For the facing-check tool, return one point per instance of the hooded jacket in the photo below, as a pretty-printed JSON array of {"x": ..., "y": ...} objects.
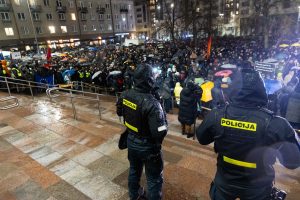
[{"x": 248, "y": 138}]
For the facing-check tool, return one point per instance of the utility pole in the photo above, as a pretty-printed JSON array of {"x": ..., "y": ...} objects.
[{"x": 112, "y": 18}]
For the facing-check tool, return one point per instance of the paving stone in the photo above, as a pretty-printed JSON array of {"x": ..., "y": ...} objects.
[
  {"x": 120, "y": 155},
  {"x": 6, "y": 169},
  {"x": 4, "y": 130},
  {"x": 63, "y": 146},
  {"x": 7, "y": 196},
  {"x": 75, "y": 150},
  {"x": 63, "y": 167},
  {"x": 87, "y": 157},
  {"x": 48, "y": 159},
  {"x": 64, "y": 191},
  {"x": 108, "y": 147},
  {"x": 4, "y": 145},
  {"x": 30, "y": 147},
  {"x": 12, "y": 181},
  {"x": 22, "y": 142},
  {"x": 76, "y": 174},
  {"x": 14, "y": 136},
  {"x": 171, "y": 157},
  {"x": 108, "y": 167},
  {"x": 41, "y": 152},
  {"x": 51, "y": 198},
  {"x": 30, "y": 191},
  {"x": 40, "y": 174},
  {"x": 100, "y": 188}
]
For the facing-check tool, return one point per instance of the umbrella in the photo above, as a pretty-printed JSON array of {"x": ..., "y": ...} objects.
[
  {"x": 296, "y": 44},
  {"x": 81, "y": 60},
  {"x": 92, "y": 48},
  {"x": 114, "y": 73},
  {"x": 68, "y": 72},
  {"x": 96, "y": 74},
  {"x": 284, "y": 45},
  {"x": 272, "y": 86},
  {"x": 270, "y": 60},
  {"x": 64, "y": 60},
  {"x": 281, "y": 56},
  {"x": 222, "y": 73},
  {"x": 228, "y": 66}
]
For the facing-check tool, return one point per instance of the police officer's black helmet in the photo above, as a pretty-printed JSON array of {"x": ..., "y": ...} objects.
[
  {"x": 144, "y": 77},
  {"x": 248, "y": 89}
]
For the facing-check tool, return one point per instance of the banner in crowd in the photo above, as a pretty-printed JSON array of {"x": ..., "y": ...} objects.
[
  {"x": 44, "y": 79},
  {"x": 16, "y": 55},
  {"x": 267, "y": 70}
]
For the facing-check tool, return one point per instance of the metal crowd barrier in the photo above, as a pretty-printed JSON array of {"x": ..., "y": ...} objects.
[
  {"x": 14, "y": 83},
  {"x": 69, "y": 93},
  {"x": 10, "y": 98}
]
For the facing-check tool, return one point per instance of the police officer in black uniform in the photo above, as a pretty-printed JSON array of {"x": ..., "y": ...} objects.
[
  {"x": 147, "y": 126},
  {"x": 248, "y": 138}
]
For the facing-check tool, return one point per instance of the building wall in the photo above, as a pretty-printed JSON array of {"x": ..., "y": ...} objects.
[
  {"x": 81, "y": 19},
  {"x": 278, "y": 16},
  {"x": 142, "y": 14}
]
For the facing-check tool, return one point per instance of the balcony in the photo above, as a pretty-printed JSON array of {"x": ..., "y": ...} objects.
[
  {"x": 35, "y": 8},
  {"x": 83, "y": 9},
  {"x": 61, "y": 9},
  {"x": 100, "y": 10},
  {"x": 123, "y": 10},
  {"x": 5, "y": 7}
]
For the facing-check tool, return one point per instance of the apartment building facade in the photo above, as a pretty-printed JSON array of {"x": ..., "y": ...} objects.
[
  {"x": 143, "y": 20},
  {"x": 64, "y": 22},
  {"x": 283, "y": 17}
]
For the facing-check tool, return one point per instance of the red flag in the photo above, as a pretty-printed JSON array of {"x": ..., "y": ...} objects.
[
  {"x": 49, "y": 55},
  {"x": 209, "y": 47}
]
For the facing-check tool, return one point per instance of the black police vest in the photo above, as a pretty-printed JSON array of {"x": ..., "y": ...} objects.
[
  {"x": 133, "y": 117},
  {"x": 239, "y": 145}
]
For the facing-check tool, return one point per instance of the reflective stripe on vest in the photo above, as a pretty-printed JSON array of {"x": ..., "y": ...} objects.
[
  {"x": 3, "y": 71},
  {"x": 81, "y": 75},
  {"x": 248, "y": 126},
  {"x": 129, "y": 104},
  {"x": 239, "y": 163},
  {"x": 87, "y": 74},
  {"x": 135, "y": 129}
]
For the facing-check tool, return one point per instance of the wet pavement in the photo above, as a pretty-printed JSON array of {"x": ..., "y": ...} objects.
[{"x": 47, "y": 155}]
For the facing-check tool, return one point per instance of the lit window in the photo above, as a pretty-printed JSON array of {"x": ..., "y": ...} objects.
[
  {"x": 9, "y": 31},
  {"x": 94, "y": 28},
  {"x": 52, "y": 29},
  {"x": 109, "y": 27},
  {"x": 63, "y": 29},
  {"x": 73, "y": 16}
]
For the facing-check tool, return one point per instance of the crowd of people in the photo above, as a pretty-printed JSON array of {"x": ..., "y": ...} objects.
[{"x": 174, "y": 64}]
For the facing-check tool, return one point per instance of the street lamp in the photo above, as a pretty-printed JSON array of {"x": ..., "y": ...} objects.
[{"x": 172, "y": 5}]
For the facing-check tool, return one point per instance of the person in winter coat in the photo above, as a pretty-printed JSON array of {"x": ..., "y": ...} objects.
[
  {"x": 248, "y": 139},
  {"x": 188, "y": 107},
  {"x": 217, "y": 94},
  {"x": 293, "y": 108},
  {"x": 177, "y": 91},
  {"x": 165, "y": 93}
]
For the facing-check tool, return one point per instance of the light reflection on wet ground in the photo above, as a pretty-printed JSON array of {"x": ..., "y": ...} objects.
[{"x": 46, "y": 154}]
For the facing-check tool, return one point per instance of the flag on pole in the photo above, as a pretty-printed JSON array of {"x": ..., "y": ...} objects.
[
  {"x": 49, "y": 55},
  {"x": 209, "y": 47}
]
